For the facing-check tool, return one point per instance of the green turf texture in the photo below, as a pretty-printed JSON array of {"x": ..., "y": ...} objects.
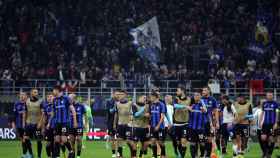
[{"x": 97, "y": 149}]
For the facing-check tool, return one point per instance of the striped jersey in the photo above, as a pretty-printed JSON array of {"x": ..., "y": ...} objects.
[
  {"x": 80, "y": 111},
  {"x": 47, "y": 111},
  {"x": 197, "y": 119},
  {"x": 211, "y": 104},
  {"x": 270, "y": 112},
  {"x": 156, "y": 109},
  {"x": 61, "y": 109},
  {"x": 19, "y": 110}
]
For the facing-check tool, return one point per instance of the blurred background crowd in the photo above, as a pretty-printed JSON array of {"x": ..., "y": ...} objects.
[{"x": 89, "y": 39}]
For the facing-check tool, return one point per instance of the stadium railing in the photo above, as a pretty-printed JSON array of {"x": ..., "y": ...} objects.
[{"x": 91, "y": 88}]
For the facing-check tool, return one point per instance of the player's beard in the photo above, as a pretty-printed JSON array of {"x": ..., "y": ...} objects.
[
  {"x": 35, "y": 98},
  {"x": 179, "y": 96}
]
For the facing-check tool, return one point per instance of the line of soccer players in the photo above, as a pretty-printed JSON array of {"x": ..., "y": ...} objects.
[
  {"x": 59, "y": 120},
  {"x": 199, "y": 121}
]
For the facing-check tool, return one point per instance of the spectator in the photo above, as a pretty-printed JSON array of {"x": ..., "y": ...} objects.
[
  {"x": 251, "y": 63},
  {"x": 274, "y": 63}
]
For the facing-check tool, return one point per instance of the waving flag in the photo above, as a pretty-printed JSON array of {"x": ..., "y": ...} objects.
[{"x": 146, "y": 39}]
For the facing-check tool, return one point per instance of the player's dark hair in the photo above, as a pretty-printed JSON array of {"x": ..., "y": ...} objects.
[
  {"x": 33, "y": 89},
  {"x": 269, "y": 91},
  {"x": 155, "y": 89},
  {"x": 183, "y": 89},
  {"x": 49, "y": 93},
  {"x": 207, "y": 87},
  {"x": 156, "y": 94},
  {"x": 122, "y": 91},
  {"x": 240, "y": 96},
  {"x": 57, "y": 87}
]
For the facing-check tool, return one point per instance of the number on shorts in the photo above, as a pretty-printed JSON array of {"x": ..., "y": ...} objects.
[
  {"x": 128, "y": 133},
  {"x": 246, "y": 133},
  {"x": 200, "y": 136},
  {"x": 38, "y": 133},
  {"x": 63, "y": 129}
]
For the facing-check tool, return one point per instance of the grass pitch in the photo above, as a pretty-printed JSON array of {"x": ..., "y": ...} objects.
[{"x": 97, "y": 149}]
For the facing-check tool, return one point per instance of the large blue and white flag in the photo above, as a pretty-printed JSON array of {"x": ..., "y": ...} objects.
[{"x": 146, "y": 39}]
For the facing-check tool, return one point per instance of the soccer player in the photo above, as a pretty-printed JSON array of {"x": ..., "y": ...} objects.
[
  {"x": 88, "y": 121},
  {"x": 166, "y": 117},
  {"x": 19, "y": 118},
  {"x": 47, "y": 107},
  {"x": 111, "y": 111},
  {"x": 61, "y": 116},
  {"x": 139, "y": 127},
  {"x": 212, "y": 119},
  {"x": 157, "y": 112},
  {"x": 34, "y": 122},
  {"x": 76, "y": 133},
  {"x": 268, "y": 124},
  {"x": 277, "y": 133},
  {"x": 257, "y": 117},
  {"x": 241, "y": 131},
  {"x": 180, "y": 121},
  {"x": 197, "y": 125},
  {"x": 122, "y": 118},
  {"x": 170, "y": 128},
  {"x": 228, "y": 113}
]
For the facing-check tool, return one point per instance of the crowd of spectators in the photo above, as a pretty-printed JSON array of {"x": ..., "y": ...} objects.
[{"x": 89, "y": 39}]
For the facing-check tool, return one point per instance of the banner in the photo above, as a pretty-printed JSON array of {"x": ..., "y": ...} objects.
[
  {"x": 256, "y": 49},
  {"x": 257, "y": 86},
  {"x": 98, "y": 132},
  {"x": 7, "y": 134},
  {"x": 146, "y": 39}
]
